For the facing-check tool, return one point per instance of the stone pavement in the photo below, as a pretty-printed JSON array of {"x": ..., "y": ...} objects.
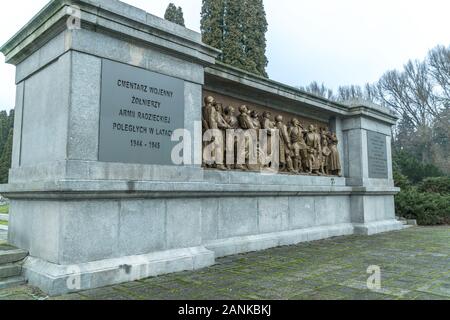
[
  {"x": 415, "y": 264},
  {"x": 3, "y": 235}
]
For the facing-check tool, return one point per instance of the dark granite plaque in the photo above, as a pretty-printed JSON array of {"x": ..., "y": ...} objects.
[
  {"x": 139, "y": 111},
  {"x": 376, "y": 146}
]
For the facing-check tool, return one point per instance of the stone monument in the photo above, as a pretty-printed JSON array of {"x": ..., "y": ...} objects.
[{"x": 108, "y": 184}]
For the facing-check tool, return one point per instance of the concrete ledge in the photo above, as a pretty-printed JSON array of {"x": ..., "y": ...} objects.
[
  {"x": 371, "y": 228},
  {"x": 238, "y": 245},
  {"x": 113, "y": 189},
  {"x": 60, "y": 279},
  {"x": 4, "y": 217},
  {"x": 117, "y": 17}
]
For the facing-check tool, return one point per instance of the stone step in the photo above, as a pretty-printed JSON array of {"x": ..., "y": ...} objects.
[
  {"x": 408, "y": 222},
  {"x": 11, "y": 255},
  {"x": 4, "y": 217},
  {"x": 12, "y": 282},
  {"x": 10, "y": 270},
  {"x": 3, "y": 227}
]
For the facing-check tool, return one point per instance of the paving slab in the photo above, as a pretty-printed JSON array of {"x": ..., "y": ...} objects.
[
  {"x": 3, "y": 236},
  {"x": 413, "y": 264}
]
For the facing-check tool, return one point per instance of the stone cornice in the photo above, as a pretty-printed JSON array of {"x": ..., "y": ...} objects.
[
  {"x": 85, "y": 189},
  {"x": 113, "y": 17},
  {"x": 261, "y": 84}
]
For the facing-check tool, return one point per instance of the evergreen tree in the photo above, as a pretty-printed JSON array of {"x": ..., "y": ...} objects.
[
  {"x": 174, "y": 14},
  {"x": 254, "y": 31},
  {"x": 233, "y": 38},
  {"x": 212, "y": 24},
  {"x": 4, "y": 129},
  {"x": 5, "y": 159},
  {"x": 238, "y": 28}
]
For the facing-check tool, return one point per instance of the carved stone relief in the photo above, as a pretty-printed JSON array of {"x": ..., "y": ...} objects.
[{"x": 236, "y": 135}]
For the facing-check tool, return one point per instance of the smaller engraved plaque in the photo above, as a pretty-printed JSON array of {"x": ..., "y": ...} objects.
[{"x": 377, "y": 150}]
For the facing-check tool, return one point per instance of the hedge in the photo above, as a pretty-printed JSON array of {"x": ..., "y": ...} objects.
[
  {"x": 427, "y": 208},
  {"x": 439, "y": 185}
]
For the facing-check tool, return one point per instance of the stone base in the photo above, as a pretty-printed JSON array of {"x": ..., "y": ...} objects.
[
  {"x": 245, "y": 244},
  {"x": 60, "y": 279},
  {"x": 100, "y": 232},
  {"x": 371, "y": 228}
]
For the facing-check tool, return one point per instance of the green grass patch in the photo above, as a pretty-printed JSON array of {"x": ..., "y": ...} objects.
[
  {"x": 4, "y": 209},
  {"x": 4, "y": 223}
]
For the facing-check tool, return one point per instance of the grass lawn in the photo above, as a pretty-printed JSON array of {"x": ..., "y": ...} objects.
[
  {"x": 5, "y": 223},
  {"x": 4, "y": 209}
]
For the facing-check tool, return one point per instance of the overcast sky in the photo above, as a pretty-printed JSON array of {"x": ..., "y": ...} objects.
[{"x": 337, "y": 42}]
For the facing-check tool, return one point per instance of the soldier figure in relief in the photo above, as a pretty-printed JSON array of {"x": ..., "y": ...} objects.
[
  {"x": 245, "y": 123},
  {"x": 334, "y": 162},
  {"x": 255, "y": 149},
  {"x": 222, "y": 126},
  {"x": 209, "y": 114},
  {"x": 266, "y": 146},
  {"x": 231, "y": 147},
  {"x": 326, "y": 152},
  {"x": 209, "y": 122},
  {"x": 230, "y": 118},
  {"x": 314, "y": 150},
  {"x": 285, "y": 145},
  {"x": 298, "y": 144}
]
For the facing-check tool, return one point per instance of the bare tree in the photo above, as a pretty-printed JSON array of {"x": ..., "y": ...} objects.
[
  {"x": 420, "y": 94},
  {"x": 439, "y": 70},
  {"x": 319, "y": 90},
  {"x": 409, "y": 92},
  {"x": 351, "y": 92},
  {"x": 370, "y": 92}
]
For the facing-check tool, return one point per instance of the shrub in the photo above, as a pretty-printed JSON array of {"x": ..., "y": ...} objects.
[
  {"x": 426, "y": 208},
  {"x": 401, "y": 180},
  {"x": 415, "y": 170},
  {"x": 439, "y": 185}
]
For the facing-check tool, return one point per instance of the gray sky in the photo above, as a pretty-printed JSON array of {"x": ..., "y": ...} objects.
[{"x": 338, "y": 42}]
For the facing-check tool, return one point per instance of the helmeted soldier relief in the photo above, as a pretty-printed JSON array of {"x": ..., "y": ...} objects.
[
  {"x": 326, "y": 152},
  {"x": 245, "y": 123},
  {"x": 268, "y": 125},
  {"x": 230, "y": 117},
  {"x": 222, "y": 125},
  {"x": 311, "y": 151},
  {"x": 285, "y": 145},
  {"x": 254, "y": 150},
  {"x": 334, "y": 161},
  {"x": 230, "y": 143},
  {"x": 298, "y": 144},
  {"x": 209, "y": 114},
  {"x": 314, "y": 150}
]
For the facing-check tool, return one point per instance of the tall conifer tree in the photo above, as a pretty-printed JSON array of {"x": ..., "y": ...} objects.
[
  {"x": 174, "y": 14},
  {"x": 5, "y": 159},
  {"x": 254, "y": 30},
  {"x": 238, "y": 28},
  {"x": 233, "y": 40},
  {"x": 6, "y": 141},
  {"x": 212, "y": 23}
]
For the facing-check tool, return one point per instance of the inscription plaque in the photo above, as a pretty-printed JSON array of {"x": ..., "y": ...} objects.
[
  {"x": 376, "y": 145},
  {"x": 139, "y": 111}
]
